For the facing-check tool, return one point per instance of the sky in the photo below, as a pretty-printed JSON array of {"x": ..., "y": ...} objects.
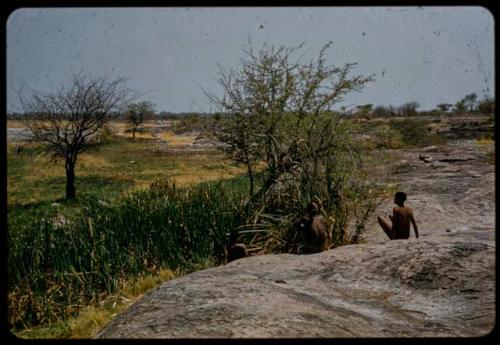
[{"x": 430, "y": 55}]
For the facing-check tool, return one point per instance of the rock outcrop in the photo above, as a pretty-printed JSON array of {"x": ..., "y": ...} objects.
[
  {"x": 439, "y": 285},
  {"x": 442, "y": 285}
]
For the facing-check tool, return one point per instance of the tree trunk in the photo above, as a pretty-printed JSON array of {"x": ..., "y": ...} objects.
[
  {"x": 250, "y": 176},
  {"x": 133, "y": 133},
  {"x": 70, "y": 179}
]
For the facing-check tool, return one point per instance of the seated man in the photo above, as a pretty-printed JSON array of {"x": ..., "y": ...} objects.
[
  {"x": 235, "y": 250},
  {"x": 313, "y": 230},
  {"x": 401, "y": 218}
]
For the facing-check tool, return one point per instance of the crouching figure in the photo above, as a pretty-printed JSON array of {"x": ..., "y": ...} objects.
[
  {"x": 235, "y": 250},
  {"x": 312, "y": 228}
]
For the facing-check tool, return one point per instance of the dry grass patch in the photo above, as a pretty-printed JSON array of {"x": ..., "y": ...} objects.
[
  {"x": 202, "y": 176},
  {"x": 42, "y": 167},
  {"x": 178, "y": 140},
  {"x": 14, "y": 124},
  {"x": 120, "y": 128},
  {"x": 485, "y": 142},
  {"x": 91, "y": 319},
  {"x": 92, "y": 162}
]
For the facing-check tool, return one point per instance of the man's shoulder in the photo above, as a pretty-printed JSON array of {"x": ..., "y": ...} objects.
[{"x": 401, "y": 209}]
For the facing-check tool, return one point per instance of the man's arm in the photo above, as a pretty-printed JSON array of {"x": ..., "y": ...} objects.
[
  {"x": 415, "y": 227},
  {"x": 393, "y": 226}
]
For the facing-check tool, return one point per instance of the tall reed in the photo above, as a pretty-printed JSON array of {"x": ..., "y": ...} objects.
[{"x": 57, "y": 264}]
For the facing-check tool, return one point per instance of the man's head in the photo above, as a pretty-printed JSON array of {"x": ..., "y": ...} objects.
[
  {"x": 399, "y": 198},
  {"x": 233, "y": 237},
  {"x": 313, "y": 208}
]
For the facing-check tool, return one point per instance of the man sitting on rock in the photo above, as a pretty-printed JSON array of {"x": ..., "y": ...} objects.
[
  {"x": 235, "y": 250},
  {"x": 401, "y": 218},
  {"x": 313, "y": 230}
]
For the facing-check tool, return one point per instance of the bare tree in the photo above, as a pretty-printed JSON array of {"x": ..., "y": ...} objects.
[
  {"x": 70, "y": 119},
  {"x": 136, "y": 113}
]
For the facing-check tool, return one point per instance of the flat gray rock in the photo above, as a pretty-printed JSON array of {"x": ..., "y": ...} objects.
[{"x": 434, "y": 286}]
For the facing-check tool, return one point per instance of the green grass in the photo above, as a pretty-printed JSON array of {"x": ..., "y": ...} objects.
[
  {"x": 36, "y": 182},
  {"x": 56, "y": 268},
  {"x": 81, "y": 261}
]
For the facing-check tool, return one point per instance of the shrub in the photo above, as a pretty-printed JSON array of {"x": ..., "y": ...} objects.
[
  {"x": 415, "y": 133},
  {"x": 387, "y": 137}
]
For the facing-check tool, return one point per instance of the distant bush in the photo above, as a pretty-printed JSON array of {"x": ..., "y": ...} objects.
[
  {"x": 388, "y": 137},
  {"x": 409, "y": 109},
  {"x": 193, "y": 122},
  {"x": 415, "y": 133},
  {"x": 381, "y": 111},
  {"x": 486, "y": 106}
]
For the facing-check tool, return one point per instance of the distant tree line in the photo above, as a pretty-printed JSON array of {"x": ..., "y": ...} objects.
[{"x": 470, "y": 104}]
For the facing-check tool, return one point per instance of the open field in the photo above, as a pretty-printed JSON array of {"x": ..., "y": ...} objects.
[
  {"x": 122, "y": 165},
  {"x": 120, "y": 168},
  {"x": 126, "y": 167}
]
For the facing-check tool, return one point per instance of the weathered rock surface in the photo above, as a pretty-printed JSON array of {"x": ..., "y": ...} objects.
[
  {"x": 442, "y": 285},
  {"x": 459, "y": 194},
  {"x": 439, "y": 285}
]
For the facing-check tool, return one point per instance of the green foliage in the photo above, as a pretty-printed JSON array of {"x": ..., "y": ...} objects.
[
  {"x": 388, "y": 137},
  {"x": 409, "y": 109},
  {"x": 460, "y": 107},
  {"x": 469, "y": 102},
  {"x": 382, "y": 111},
  {"x": 58, "y": 263},
  {"x": 278, "y": 114},
  {"x": 486, "y": 106},
  {"x": 415, "y": 133},
  {"x": 365, "y": 110},
  {"x": 192, "y": 122},
  {"x": 444, "y": 107}
]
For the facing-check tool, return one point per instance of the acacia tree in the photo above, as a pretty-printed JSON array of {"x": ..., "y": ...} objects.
[
  {"x": 279, "y": 112},
  {"x": 236, "y": 133},
  {"x": 409, "y": 108},
  {"x": 460, "y": 107},
  {"x": 469, "y": 102},
  {"x": 70, "y": 119},
  {"x": 136, "y": 113},
  {"x": 444, "y": 107}
]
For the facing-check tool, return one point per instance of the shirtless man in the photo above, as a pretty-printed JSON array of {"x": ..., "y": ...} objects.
[
  {"x": 313, "y": 230},
  {"x": 235, "y": 250},
  {"x": 401, "y": 218}
]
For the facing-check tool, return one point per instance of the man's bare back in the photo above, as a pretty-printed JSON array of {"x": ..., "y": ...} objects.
[{"x": 401, "y": 219}]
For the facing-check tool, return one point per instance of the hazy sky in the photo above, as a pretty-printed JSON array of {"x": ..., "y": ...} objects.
[{"x": 429, "y": 55}]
